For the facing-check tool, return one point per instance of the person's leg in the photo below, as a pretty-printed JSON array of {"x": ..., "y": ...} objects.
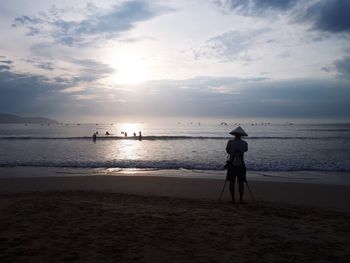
[
  {"x": 232, "y": 190},
  {"x": 241, "y": 191}
]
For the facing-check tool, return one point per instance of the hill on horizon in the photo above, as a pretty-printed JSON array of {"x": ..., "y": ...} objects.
[{"x": 11, "y": 118}]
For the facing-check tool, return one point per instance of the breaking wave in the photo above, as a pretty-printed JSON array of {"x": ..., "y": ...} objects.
[{"x": 175, "y": 164}]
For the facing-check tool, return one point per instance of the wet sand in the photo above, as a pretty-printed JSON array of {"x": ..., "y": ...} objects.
[
  {"x": 325, "y": 196},
  {"x": 165, "y": 219}
]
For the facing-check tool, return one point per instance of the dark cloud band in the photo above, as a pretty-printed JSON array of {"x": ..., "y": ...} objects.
[
  {"x": 202, "y": 96},
  {"x": 329, "y": 16}
]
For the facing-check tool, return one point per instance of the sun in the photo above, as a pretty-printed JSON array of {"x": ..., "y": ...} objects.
[
  {"x": 130, "y": 128},
  {"x": 130, "y": 68}
]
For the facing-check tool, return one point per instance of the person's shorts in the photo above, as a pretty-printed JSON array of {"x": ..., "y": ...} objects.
[{"x": 236, "y": 171}]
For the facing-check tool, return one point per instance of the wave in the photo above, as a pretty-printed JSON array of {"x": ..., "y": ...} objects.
[
  {"x": 326, "y": 130},
  {"x": 156, "y": 138},
  {"x": 175, "y": 164}
]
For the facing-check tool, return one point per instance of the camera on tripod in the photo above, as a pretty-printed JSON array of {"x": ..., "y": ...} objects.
[{"x": 227, "y": 164}]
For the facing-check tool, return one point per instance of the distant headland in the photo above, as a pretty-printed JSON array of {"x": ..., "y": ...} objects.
[{"x": 10, "y": 118}]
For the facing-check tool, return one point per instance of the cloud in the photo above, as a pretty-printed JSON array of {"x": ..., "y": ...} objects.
[
  {"x": 300, "y": 98},
  {"x": 7, "y": 65},
  {"x": 4, "y": 67},
  {"x": 224, "y": 90},
  {"x": 6, "y": 61},
  {"x": 29, "y": 94},
  {"x": 284, "y": 54},
  {"x": 342, "y": 66},
  {"x": 85, "y": 97},
  {"x": 73, "y": 89},
  {"x": 40, "y": 64},
  {"x": 229, "y": 46},
  {"x": 202, "y": 97},
  {"x": 136, "y": 39},
  {"x": 330, "y": 16},
  {"x": 79, "y": 73},
  {"x": 96, "y": 25},
  {"x": 252, "y": 97},
  {"x": 255, "y": 7},
  {"x": 36, "y": 94},
  {"x": 327, "y": 69},
  {"x": 90, "y": 70}
]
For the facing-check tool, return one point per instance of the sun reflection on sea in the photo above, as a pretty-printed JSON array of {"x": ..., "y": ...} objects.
[
  {"x": 130, "y": 128},
  {"x": 128, "y": 148}
]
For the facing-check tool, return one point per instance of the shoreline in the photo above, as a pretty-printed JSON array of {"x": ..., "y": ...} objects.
[
  {"x": 150, "y": 183},
  {"x": 313, "y": 177}
]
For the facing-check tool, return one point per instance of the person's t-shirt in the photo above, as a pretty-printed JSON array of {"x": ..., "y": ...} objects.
[{"x": 235, "y": 145}]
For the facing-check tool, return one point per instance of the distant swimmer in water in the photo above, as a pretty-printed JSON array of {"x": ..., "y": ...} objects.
[
  {"x": 96, "y": 132},
  {"x": 134, "y": 134},
  {"x": 140, "y": 135},
  {"x": 125, "y": 134},
  {"x": 107, "y": 133},
  {"x": 94, "y": 136}
]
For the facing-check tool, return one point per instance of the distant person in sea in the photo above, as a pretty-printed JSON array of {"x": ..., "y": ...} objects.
[
  {"x": 94, "y": 136},
  {"x": 134, "y": 134},
  {"x": 236, "y": 166},
  {"x": 140, "y": 135},
  {"x": 125, "y": 134},
  {"x": 107, "y": 133}
]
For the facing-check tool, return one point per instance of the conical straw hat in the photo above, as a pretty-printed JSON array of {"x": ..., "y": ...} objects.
[{"x": 238, "y": 131}]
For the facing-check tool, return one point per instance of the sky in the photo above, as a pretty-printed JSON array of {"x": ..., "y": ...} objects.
[{"x": 133, "y": 60}]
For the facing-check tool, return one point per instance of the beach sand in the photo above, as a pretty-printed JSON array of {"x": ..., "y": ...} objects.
[{"x": 165, "y": 219}]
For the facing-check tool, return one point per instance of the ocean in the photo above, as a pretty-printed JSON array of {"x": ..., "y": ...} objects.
[{"x": 189, "y": 145}]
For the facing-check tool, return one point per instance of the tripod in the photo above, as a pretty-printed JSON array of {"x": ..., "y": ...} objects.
[
  {"x": 250, "y": 192},
  {"x": 246, "y": 182},
  {"x": 222, "y": 191}
]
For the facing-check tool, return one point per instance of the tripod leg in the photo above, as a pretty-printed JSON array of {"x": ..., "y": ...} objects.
[
  {"x": 222, "y": 191},
  {"x": 250, "y": 192}
]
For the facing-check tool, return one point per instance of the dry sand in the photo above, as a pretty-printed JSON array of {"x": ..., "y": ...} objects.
[
  {"x": 158, "y": 219},
  {"x": 110, "y": 227}
]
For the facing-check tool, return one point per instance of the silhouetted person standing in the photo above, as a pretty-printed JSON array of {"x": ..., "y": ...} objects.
[
  {"x": 140, "y": 135},
  {"x": 236, "y": 148}
]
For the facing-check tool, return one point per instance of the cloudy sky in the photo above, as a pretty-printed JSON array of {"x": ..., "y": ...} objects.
[{"x": 108, "y": 60}]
